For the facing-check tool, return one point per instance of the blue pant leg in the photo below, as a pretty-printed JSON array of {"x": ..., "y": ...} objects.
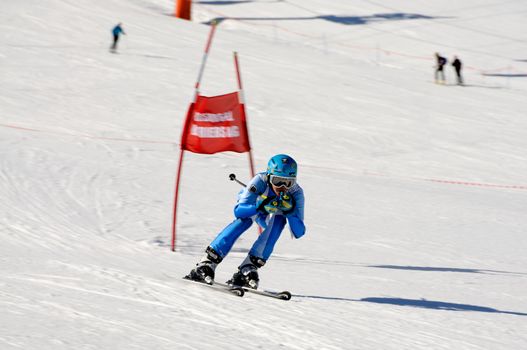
[
  {"x": 263, "y": 247},
  {"x": 226, "y": 238}
]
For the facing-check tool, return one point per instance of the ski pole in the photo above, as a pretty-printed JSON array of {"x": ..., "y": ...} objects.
[{"x": 232, "y": 177}]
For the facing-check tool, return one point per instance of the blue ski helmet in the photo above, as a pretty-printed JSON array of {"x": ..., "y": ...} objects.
[{"x": 282, "y": 165}]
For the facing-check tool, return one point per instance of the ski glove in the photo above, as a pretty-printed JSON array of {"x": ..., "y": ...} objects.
[
  {"x": 272, "y": 205},
  {"x": 286, "y": 204}
]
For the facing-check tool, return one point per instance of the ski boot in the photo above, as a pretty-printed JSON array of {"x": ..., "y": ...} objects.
[
  {"x": 204, "y": 270},
  {"x": 247, "y": 274}
]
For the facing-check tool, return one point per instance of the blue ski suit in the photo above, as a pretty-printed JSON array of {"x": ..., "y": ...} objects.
[
  {"x": 117, "y": 30},
  {"x": 246, "y": 211}
]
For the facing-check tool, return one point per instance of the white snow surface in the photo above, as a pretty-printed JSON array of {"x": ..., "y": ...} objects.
[{"x": 416, "y": 193}]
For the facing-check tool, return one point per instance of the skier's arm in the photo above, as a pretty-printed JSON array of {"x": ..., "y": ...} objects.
[
  {"x": 246, "y": 206},
  {"x": 295, "y": 218},
  {"x": 298, "y": 229},
  {"x": 244, "y": 210}
]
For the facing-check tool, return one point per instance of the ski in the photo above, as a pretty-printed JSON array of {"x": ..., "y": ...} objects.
[
  {"x": 238, "y": 291},
  {"x": 283, "y": 295}
]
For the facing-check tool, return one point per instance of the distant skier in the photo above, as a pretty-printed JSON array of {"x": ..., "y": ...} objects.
[
  {"x": 271, "y": 198},
  {"x": 456, "y": 63},
  {"x": 439, "y": 72},
  {"x": 116, "y": 32}
]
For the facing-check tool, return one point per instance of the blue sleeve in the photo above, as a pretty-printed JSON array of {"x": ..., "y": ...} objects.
[
  {"x": 244, "y": 210},
  {"x": 246, "y": 206},
  {"x": 295, "y": 219},
  {"x": 298, "y": 229}
]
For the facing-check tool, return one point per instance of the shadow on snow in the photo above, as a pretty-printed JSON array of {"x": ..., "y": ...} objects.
[
  {"x": 418, "y": 303},
  {"x": 222, "y": 2},
  {"x": 437, "y": 305},
  {"x": 506, "y": 75},
  {"x": 443, "y": 269},
  {"x": 346, "y": 20}
]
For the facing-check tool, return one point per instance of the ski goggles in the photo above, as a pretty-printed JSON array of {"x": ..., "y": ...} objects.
[{"x": 282, "y": 181}]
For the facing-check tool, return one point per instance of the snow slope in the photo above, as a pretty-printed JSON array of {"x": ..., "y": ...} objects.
[{"x": 416, "y": 192}]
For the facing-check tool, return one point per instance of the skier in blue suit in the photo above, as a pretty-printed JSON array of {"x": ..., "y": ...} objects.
[
  {"x": 116, "y": 32},
  {"x": 272, "y": 199}
]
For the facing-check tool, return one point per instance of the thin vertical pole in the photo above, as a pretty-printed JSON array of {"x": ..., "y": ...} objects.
[
  {"x": 176, "y": 195},
  {"x": 204, "y": 59},
  {"x": 242, "y": 98},
  {"x": 251, "y": 163},
  {"x": 238, "y": 74}
]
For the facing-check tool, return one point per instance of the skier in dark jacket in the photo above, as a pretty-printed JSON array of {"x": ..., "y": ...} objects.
[
  {"x": 456, "y": 63},
  {"x": 116, "y": 31},
  {"x": 440, "y": 63}
]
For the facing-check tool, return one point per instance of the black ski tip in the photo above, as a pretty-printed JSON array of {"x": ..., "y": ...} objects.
[
  {"x": 285, "y": 295},
  {"x": 238, "y": 291}
]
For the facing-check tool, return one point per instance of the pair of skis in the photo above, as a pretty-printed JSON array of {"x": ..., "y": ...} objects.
[{"x": 240, "y": 291}]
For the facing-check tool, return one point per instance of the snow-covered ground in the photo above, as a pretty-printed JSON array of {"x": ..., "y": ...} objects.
[{"x": 416, "y": 192}]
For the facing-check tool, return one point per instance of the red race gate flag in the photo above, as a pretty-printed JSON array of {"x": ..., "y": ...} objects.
[
  {"x": 216, "y": 124},
  {"x": 213, "y": 124}
]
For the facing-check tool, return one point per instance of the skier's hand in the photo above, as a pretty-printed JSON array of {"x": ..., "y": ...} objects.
[
  {"x": 268, "y": 205},
  {"x": 261, "y": 202},
  {"x": 286, "y": 204},
  {"x": 273, "y": 206}
]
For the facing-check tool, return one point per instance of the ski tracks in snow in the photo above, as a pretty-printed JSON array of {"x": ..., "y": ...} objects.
[{"x": 135, "y": 303}]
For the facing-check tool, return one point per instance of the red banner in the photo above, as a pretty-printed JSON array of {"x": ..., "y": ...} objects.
[{"x": 216, "y": 124}]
